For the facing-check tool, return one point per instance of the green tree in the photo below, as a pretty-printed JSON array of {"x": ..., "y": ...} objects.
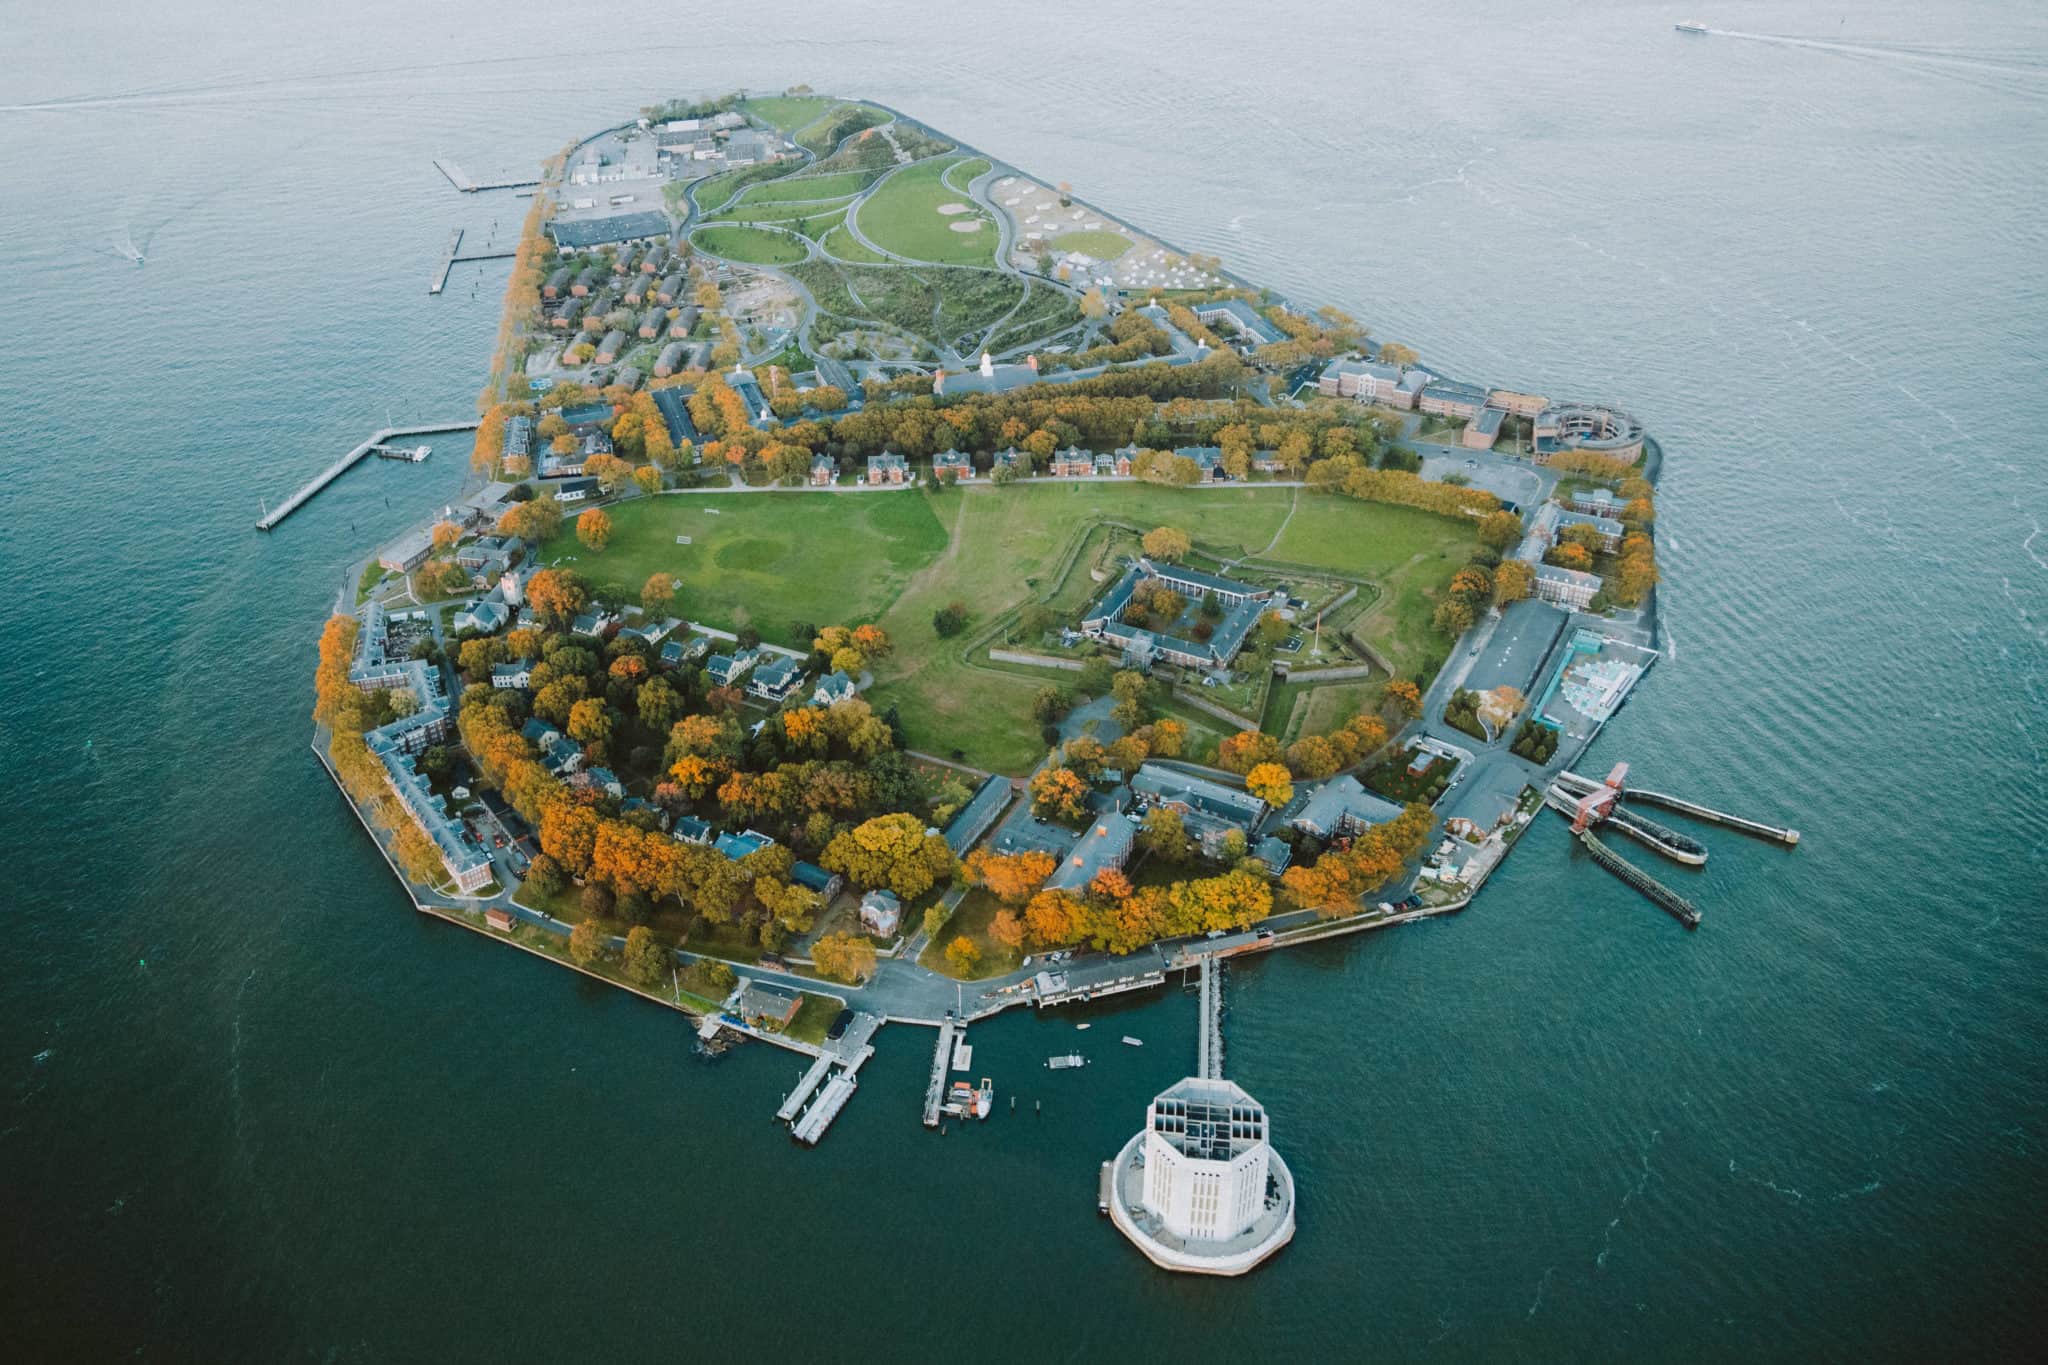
[
  {"x": 586, "y": 942},
  {"x": 646, "y": 961}
]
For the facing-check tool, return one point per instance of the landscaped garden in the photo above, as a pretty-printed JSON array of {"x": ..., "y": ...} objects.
[{"x": 917, "y": 214}]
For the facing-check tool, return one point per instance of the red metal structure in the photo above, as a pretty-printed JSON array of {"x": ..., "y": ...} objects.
[{"x": 1597, "y": 805}]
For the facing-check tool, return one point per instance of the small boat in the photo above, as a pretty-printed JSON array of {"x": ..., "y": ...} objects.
[
  {"x": 1071, "y": 1060},
  {"x": 984, "y": 1098},
  {"x": 1690, "y": 26},
  {"x": 1081, "y": 1026},
  {"x": 1133, "y": 1042},
  {"x": 962, "y": 1094}
]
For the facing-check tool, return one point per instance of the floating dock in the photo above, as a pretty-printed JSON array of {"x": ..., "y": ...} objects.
[
  {"x": 812, "y": 1079},
  {"x": 1787, "y": 837},
  {"x": 819, "y": 1116},
  {"x": 461, "y": 181},
  {"x": 1102, "y": 1189},
  {"x": 1677, "y": 906},
  {"x": 935, "y": 1089},
  {"x": 274, "y": 515}
]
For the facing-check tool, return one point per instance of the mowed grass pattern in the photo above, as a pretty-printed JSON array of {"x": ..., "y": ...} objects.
[
  {"x": 766, "y": 559},
  {"x": 902, "y": 216}
]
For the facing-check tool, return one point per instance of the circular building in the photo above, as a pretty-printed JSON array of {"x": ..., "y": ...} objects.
[
  {"x": 1588, "y": 427},
  {"x": 1201, "y": 1188}
]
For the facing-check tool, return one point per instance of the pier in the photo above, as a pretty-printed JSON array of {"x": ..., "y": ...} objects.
[
  {"x": 455, "y": 255},
  {"x": 461, "y": 181},
  {"x": 1209, "y": 1052},
  {"x": 1677, "y": 906},
  {"x": 272, "y": 516},
  {"x": 1645, "y": 831},
  {"x": 942, "y": 1057},
  {"x": 819, "y": 1116},
  {"x": 1788, "y": 837},
  {"x": 812, "y": 1079}
]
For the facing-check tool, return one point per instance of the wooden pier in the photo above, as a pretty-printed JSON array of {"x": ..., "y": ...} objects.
[
  {"x": 455, "y": 256},
  {"x": 812, "y": 1079},
  {"x": 1673, "y": 904},
  {"x": 942, "y": 1056},
  {"x": 461, "y": 181},
  {"x": 1679, "y": 848},
  {"x": 272, "y": 516},
  {"x": 1787, "y": 837}
]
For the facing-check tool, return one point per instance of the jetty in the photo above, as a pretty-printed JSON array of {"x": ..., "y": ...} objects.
[
  {"x": 1209, "y": 1052},
  {"x": 273, "y": 515},
  {"x": 461, "y": 181},
  {"x": 1570, "y": 787},
  {"x": 1677, "y": 906},
  {"x": 935, "y": 1089},
  {"x": 812, "y": 1079},
  {"x": 1788, "y": 837},
  {"x": 455, "y": 255},
  {"x": 819, "y": 1116}
]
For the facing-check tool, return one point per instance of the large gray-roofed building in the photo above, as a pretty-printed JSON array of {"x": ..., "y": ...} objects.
[
  {"x": 1343, "y": 806},
  {"x": 580, "y": 233},
  {"x": 977, "y": 815},
  {"x": 1107, "y": 844}
]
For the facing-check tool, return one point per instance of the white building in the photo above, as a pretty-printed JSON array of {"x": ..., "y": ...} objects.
[{"x": 1201, "y": 1188}]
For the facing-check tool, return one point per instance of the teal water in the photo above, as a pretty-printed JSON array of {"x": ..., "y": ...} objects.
[{"x": 252, "y": 1109}]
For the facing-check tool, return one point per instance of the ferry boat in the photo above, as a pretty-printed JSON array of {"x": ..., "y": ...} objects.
[
  {"x": 1133, "y": 1042},
  {"x": 1690, "y": 26},
  {"x": 1071, "y": 1060},
  {"x": 984, "y": 1098},
  {"x": 959, "y": 1100}
]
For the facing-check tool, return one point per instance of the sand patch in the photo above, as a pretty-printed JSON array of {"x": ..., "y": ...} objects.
[
  {"x": 950, "y": 209},
  {"x": 965, "y": 227}
]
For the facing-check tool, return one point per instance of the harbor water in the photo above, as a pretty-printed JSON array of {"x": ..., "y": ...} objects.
[{"x": 252, "y": 1108}]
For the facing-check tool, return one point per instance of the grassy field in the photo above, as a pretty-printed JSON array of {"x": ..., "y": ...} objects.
[
  {"x": 813, "y": 1018},
  {"x": 903, "y": 216},
  {"x": 767, "y": 559},
  {"x": 1101, "y": 243},
  {"x": 841, "y": 244},
  {"x": 834, "y": 186},
  {"x": 759, "y": 246},
  {"x": 788, "y": 112},
  {"x": 961, "y": 174}
]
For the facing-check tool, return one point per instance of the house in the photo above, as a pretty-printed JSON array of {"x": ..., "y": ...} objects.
[
  {"x": 1370, "y": 381},
  {"x": 824, "y": 471},
  {"x": 726, "y": 669},
  {"x": 670, "y": 289},
  {"x": 611, "y": 347},
  {"x": 598, "y": 779},
  {"x": 834, "y": 687},
  {"x": 507, "y": 677},
  {"x": 816, "y": 878},
  {"x": 761, "y": 1006},
  {"x": 488, "y": 557},
  {"x": 775, "y": 680},
  {"x": 654, "y": 632},
  {"x": 585, "y": 282},
  {"x": 500, "y": 920},
  {"x": 541, "y": 735},
  {"x": 557, "y": 282},
  {"x": 1007, "y": 458},
  {"x": 670, "y": 360},
  {"x": 1107, "y": 844},
  {"x": 1109, "y": 463},
  {"x": 1072, "y": 463},
  {"x": 574, "y": 490},
  {"x": 1274, "y": 853},
  {"x": 1607, "y": 528},
  {"x": 988, "y": 378},
  {"x": 1565, "y": 587},
  {"x": 952, "y": 465},
  {"x": 692, "y": 829},
  {"x": 1342, "y": 806},
  {"x": 483, "y": 616},
  {"x": 1598, "y": 502},
  {"x": 678, "y": 652},
  {"x": 1206, "y": 459},
  {"x": 973, "y": 820},
  {"x": 684, "y": 322},
  {"x": 1208, "y": 810},
  {"x": 738, "y": 846},
  {"x": 880, "y": 913},
  {"x": 518, "y": 437},
  {"x": 592, "y": 623},
  {"x": 888, "y": 467}
]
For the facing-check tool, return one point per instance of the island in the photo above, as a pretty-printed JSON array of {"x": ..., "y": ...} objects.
[{"x": 891, "y": 589}]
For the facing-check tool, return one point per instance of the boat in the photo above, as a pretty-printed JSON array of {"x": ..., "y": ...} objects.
[
  {"x": 1690, "y": 26},
  {"x": 984, "y": 1098},
  {"x": 1134, "y": 1042},
  {"x": 1079, "y": 1026},
  {"x": 960, "y": 1094},
  {"x": 1071, "y": 1060}
]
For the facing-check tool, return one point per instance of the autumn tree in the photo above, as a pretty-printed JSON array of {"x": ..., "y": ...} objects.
[
  {"x": 962, "y": 955},
  {"x": 844, "y": 957},
  {"x": 1010, "y": 877},
  {"x": 1168, "y": 543},
  {"x": 594, "y": 529},
  {"x": 1058, "y": 792},
  {"x": 446, "y": 536},
  {"x": 1405, "y": 697},
  {"x": 587, "y": 941},
  {"x": 1246, "y": 750},
  {"x": 1498, "y": 530},
  {"x": 556, "y": 595},
  {"x": 1512, "y": 581},
  {"x": 1271, "y": 783},
  {"x": 658, "y": 591},
  {"x": 590, "y": 722},
  {"x": 892, "y": 851}
]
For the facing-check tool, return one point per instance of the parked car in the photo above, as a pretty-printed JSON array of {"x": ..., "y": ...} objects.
[{"x": 838, "y": 1029}]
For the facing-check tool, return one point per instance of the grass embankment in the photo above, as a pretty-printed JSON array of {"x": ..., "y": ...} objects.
[
  {"x": 754, "y": 245},
  {"x": 767, "y": 559},
  {"x": 1100, "y": 243},
  {"x": 903, "y": 216},
  {"x": 837, "y": 185},
  {"x": 787, "y": 113}
]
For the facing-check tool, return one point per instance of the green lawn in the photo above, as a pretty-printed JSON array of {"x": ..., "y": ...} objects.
[
  {"x": 767, "y": 558},
  {"x": 903, "y": 216},
  {"x": 961, "y": 174},
  {"x": 813, "y": 1018},
  {"x": 977, "y": 911},
  {"x": 788, "y": 112},
  {"x": 1101, "y": 243},
  {"x": 837, "y": 185},
  {"x": 841, "y": 244},
  {"x": 758, "y": 246}
]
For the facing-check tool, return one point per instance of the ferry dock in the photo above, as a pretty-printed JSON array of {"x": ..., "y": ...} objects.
[
  {"x": 942, "y": 1058},
  {"x": 1570, "y": 787},
  {"x": 461, "y": 181},
  {"x": 273, "y": 515},
  {"x": 1787, "y": 837},
  {"x": 1673, "y": 904},
  {"x": 454, "y": 256}
]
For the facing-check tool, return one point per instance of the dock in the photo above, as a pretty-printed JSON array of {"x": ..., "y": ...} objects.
[
  {"x": 461, "y": 181},
  {"x": 819, "y": 1116},
  {"x": 1209, "y": 1054},
  {"x": 1563, "y": 797},
  {"x": 1677, "y": 906},
  {"x": 273, "y": 515},
  {"x": 1102, "y": 1189},
  {"x": 935, "y": 1089},
  {"x": 812, "y": 1079},
  {"x": 1095, "y": 980},
  {"x": 455, "y": 256},
  {"x": 1788, "y": 837}
]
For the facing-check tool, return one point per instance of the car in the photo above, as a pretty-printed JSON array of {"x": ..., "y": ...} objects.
[
  {"x": 497, "y": 841},
  {"x": 838, "y": 1029}
]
